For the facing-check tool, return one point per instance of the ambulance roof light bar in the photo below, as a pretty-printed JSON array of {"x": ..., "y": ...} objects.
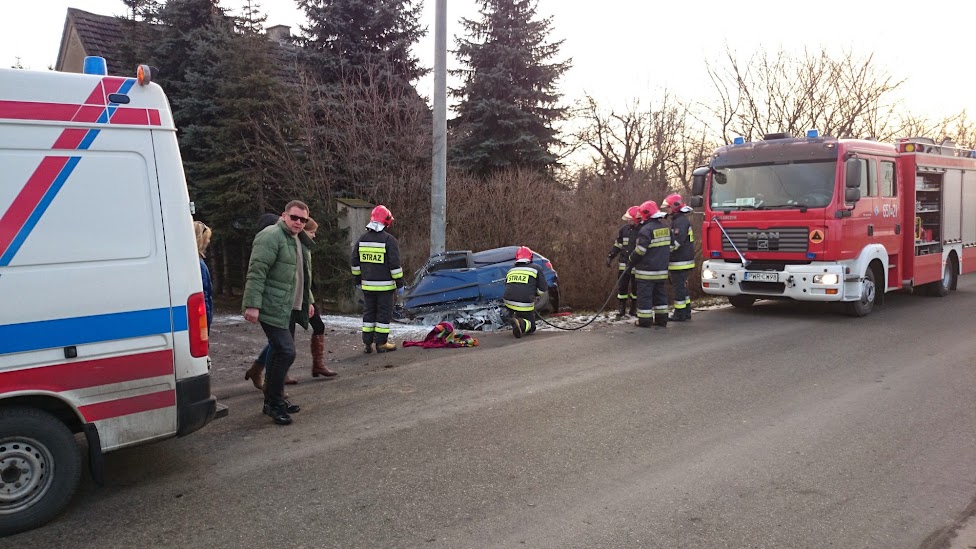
[{"x": 95, "y": 65}]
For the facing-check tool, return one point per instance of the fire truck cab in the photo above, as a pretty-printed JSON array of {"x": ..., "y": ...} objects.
[{"x": 826, "y": 219}]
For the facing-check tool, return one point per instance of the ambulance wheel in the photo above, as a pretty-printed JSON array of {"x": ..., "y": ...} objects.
[
  {"x": 40, "y": 467},
  {"x": 741, "y": 301},
  {"x": 864, "y": 305}
]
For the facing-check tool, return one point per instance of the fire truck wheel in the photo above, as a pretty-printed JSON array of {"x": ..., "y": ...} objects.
[
  {"x": 942, "y": 287},
  {"x": 864, "y": 305},
  {"x": 40, "y": 467}
]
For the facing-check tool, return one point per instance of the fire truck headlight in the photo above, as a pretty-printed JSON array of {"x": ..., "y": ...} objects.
[
  {"x": 708, "y": 274},
  {"x": 825, "y": 279}
]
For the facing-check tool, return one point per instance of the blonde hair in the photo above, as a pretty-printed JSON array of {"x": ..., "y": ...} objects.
[
  {"x": 203, "y": 234},
  {"x": 311, "y": 225}
]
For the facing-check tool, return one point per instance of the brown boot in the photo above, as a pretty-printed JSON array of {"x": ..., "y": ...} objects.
[
  {"x": 318, "y": 358},
  {"x": 256, "y": 374}
]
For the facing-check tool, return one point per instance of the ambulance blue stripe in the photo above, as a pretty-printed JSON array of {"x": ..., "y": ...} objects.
[
  {"x": 87, "y": 141},
  {"x": 35, "y": 216},
  {"x": 51, "y": 334}
]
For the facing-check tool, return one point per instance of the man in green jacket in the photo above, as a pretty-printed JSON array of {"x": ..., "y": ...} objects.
[{"x": 278, "y": 295}]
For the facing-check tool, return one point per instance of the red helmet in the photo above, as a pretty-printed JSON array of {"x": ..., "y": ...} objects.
[
  {"x": 674, "y": 202},
  {"x": 650, "y": 210},
  {"x": 382, "y": 214},
  {"x": 523, "y": 254},
  {"x": 632, "y": 214}
]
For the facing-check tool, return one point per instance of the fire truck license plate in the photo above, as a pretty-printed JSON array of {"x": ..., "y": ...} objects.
[{"x": 762, "y": 277}]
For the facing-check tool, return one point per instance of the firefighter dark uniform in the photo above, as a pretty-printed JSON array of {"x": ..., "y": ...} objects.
[
  {"x": 682, "y": 256},
  {"x": 650, "y": 266},
  {"x": 524, "y": 282},
  {"x": 623, "y": 246},
  {"x": 376, "y": 267}
]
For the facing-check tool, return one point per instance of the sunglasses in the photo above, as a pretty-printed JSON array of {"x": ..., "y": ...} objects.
[{"x": 298, "y": 218}]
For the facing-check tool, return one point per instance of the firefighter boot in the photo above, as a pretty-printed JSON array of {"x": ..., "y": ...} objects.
[
  {"x": 516, "y": 327},
  {"x": 687, "y": 312},
  {"x": 368, "y": 341},
  {"x": 318, "y": 358},
  {"x": 644, "y": 323},
  {"x": 678, "y": 316},
  {"x": 661, "y": 319},
  {"x": 385, "y": 347},
  {"x": 623, "y": 309},
  {"x": 633, "y": 307}
]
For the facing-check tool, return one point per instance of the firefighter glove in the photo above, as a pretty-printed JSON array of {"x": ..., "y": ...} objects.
[{"x": 609, "y": 259}]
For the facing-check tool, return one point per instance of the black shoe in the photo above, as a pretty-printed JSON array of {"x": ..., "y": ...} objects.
[
  {"x": 643, "y": 323},
  {"x": 368, "y": 349},
  {"x": 292, "y": 408},
  {"x": 678, "y": 316},
  {"x": 278, "y": 414}
]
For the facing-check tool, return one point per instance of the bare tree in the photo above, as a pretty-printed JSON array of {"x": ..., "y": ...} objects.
[
  {"x": 843, "y": 96},
  {"x": 654, "y": 145}
]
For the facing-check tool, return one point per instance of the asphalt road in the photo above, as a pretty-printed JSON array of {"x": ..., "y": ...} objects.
[{"x": 789, "y": 426}]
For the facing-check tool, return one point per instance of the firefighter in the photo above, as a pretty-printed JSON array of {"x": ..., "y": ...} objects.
[
  {"x": 624, "y": 246},
  {"x": 524, "y": 283},
  {"x": 682, "y": 255},
  {"x": 376, "y": 266},
  {"x": 649, "y": 262}
]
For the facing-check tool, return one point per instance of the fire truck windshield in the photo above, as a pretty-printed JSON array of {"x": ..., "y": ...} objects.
[{"x": 773, "y": 186}]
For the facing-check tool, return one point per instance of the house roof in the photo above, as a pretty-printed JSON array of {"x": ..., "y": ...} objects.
[
  {"x": 104, "y": 35},
  {"x": 100, "y": 35}
]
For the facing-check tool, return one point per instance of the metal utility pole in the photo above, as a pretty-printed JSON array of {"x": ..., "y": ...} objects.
[{"x": 438, "y": 187}]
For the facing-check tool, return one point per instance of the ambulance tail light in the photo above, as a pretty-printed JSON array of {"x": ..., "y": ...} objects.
[{"x": 196, "y": 323}]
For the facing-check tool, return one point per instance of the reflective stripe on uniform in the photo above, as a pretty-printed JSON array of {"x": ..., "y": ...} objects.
[
  {"x": 382, "y": 328},
  {"x": 681, "y": 265},
  {"x": 396, "y": 273},
  {"x": 650, "y": 275},
  {"x": 378, "y": 285},
  {"x": 519, "y": 306}
]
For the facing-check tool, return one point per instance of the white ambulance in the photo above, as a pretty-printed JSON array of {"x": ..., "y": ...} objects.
[{"x": 103, "y": 327}]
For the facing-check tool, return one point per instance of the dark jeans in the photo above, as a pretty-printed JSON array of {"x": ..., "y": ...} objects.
[
  {"x": 318, "y": 328},
  {"x": 281, "y": 355}
]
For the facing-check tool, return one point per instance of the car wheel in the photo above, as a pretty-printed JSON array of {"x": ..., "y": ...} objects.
[
  {"x": 40, "y": 467},
  {"x": 542, "y": 303}
]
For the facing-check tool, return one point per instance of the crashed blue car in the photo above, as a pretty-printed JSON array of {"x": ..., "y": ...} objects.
[{"x": 465, "y": 280}]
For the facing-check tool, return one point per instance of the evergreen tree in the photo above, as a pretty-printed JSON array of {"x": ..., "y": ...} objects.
[
  {"x": 350, "y": 37},
  {"x": 508, "y": 98}
]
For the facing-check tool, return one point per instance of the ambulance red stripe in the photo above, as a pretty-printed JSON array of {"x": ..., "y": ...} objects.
[
  {"x": 126, "y": 406},
  {"x": 63, "y": 112},
  {"x": 25, "y": 202},
  {"x": 83, "y": 374}
]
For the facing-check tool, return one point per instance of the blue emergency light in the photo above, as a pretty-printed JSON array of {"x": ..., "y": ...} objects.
[
  {"x": 813, "y": 133},
  {"x": 738, "y": 140},
  {"x": 95, "y": 65}
]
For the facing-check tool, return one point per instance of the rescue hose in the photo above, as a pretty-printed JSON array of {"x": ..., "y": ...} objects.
[{"x": 609, "y": 297}]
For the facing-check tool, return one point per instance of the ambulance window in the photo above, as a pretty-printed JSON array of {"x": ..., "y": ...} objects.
[
  {"x": 101, "y": 212},
  {"x": 888, "y": 186},
  {"x": 869, "y": 178}
]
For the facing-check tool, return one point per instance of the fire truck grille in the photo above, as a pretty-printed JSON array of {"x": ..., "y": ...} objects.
[{"x": 776, "y": 239}]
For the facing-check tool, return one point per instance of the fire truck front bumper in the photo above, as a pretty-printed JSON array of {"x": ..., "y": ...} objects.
[{"x": 812, "y": 282}]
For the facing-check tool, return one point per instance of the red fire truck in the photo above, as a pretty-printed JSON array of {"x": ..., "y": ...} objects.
[{"x": 825, "y": 219}]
